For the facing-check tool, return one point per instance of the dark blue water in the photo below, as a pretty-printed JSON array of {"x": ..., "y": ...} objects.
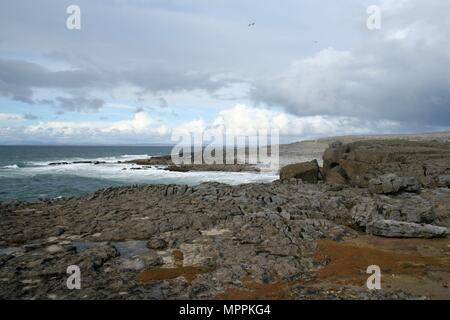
[
  {"x": 25, "y": 173},
  {"x": 23, "y": 155}
]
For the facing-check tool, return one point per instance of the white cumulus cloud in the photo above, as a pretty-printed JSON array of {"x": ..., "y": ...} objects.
[{"x": 141, "y": 124}]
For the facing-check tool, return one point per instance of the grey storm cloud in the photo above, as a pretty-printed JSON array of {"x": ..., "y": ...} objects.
[
  {"x": 304, "y": 57},
  {"x": 19, "y": 78},
  {"x": 402, "y": 72},
  {"x": 73, "y": 103},
  {"x": 159, "y": 79},
  {"x": 343, "y": 84},
  {"x": 157, "y": 46},
  {"x": 79, "y": 103},
  {"x": 153, "y": 46}
]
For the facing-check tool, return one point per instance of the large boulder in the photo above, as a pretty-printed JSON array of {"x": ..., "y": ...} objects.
[
  {"x": 360, "y": 162},
  {"x": 306, "y": 171}
]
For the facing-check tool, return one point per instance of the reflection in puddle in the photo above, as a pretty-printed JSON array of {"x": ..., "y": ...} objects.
[
  {"x": 84, "y": 245},
  {"x": 126, "y": 249},
  {"x": 8, "y": 250}
]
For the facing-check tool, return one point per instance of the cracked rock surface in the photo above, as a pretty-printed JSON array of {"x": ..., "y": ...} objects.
[
  {"x": 284, "y": 240},
  {"x": 164, "y": 242}
]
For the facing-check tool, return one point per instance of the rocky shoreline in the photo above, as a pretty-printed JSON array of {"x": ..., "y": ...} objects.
[
  {"x": 165, "y": 163},
  {"x": 310, "y": 235}
]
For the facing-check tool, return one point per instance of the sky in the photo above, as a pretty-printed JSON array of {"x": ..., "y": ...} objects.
[{"x": 138, "y": 71}]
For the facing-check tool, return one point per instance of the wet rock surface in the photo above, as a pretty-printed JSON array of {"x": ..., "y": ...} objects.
[{"x": 284, "y": 240}]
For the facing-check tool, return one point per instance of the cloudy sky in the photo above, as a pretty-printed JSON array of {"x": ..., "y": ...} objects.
[{"x": 138, "y": 70}]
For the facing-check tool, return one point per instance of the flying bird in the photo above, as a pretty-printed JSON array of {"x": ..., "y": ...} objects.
[{"x": 251, "y": 24}]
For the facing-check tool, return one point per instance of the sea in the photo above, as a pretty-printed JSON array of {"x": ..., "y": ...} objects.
[{"x": 26, "y": 173}]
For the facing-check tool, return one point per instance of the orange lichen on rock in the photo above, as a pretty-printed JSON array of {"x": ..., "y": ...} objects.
[
  {"x": 158, "y": 274},
  {"x": 350, "y": 260},
  {"x": 178, "y": 256},
  {"x": 254, "y": 290}
]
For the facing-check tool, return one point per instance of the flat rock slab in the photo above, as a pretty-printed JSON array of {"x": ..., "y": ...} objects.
[{"x": 398, "y": 229}]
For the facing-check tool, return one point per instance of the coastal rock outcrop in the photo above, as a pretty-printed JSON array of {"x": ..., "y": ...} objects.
[
  {"x": 166, "y": 161},
  {"x": 359, "y": 162},
  {"x": 153, "y": 161},
  {"x": 213, "y": 167}
]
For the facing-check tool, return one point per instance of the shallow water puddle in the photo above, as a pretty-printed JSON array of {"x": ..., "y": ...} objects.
[
  {"x": 84, "y": 245},
  {"x": 126, "y": 249},
  {"x": 8, "y": 250}
]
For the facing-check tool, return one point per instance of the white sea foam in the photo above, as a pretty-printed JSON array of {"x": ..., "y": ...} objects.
[
  {"x": 125, "y": 173},
  {"x": 114, "y": 159},
  {"x": 12, "y": 166}
]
